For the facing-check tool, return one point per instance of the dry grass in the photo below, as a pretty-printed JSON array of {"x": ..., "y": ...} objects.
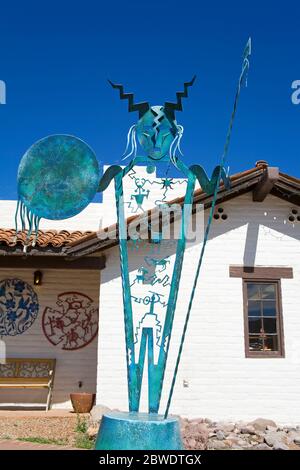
[{"x": 50, "y": 429}]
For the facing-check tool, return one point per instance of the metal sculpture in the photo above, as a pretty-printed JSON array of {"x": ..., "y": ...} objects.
[
  {"x": 57, "y": 178},
  {"x": 150, "y": 298},
  {"x": 72, "y": 323},
  {"x": 19, "y": 307}
]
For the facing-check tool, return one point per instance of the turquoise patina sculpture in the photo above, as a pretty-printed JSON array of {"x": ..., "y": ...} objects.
[
  {"x": 146, "y": 331},
  {"x": 59, "y": 176},
  {"x": 159, "y": 135}
]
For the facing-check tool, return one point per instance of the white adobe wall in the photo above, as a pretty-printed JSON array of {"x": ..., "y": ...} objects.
[
  {"x": 71, "y": 366},
  {"x": 88, "y": 219},
  {"x": 222, "y": 383}
]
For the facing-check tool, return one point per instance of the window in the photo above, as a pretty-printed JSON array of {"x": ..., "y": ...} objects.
[{"x": 263, "y": 318}]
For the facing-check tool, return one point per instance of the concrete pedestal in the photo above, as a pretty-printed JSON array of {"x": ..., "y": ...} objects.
[{"x": 138, "y": 431}]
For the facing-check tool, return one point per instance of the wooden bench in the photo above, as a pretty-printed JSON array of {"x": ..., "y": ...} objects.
[{"x": 23, "y": 373}]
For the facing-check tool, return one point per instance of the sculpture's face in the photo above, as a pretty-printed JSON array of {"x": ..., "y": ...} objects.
[{"x": 155, "y": 132}]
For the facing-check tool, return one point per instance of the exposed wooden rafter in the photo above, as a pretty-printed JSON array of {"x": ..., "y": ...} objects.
[
  {"x": 261, "y": 272},
  {"x": 52, "y": 262},
  {"x": 266, "y": 184}
]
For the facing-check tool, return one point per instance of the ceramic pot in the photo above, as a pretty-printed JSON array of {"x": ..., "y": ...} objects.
[{"x": 82, "y": 402}]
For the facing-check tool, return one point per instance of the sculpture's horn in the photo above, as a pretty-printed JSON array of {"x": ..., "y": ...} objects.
[
  {"x": 142, "y": 108},
  {"x": 172, "y": 107}
]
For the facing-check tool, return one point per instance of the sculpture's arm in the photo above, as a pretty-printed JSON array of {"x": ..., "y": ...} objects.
[
  {"x": 114, "y": 170},
  {"x": 110, "y": 174},
  {"x": 209, "y": 185}
]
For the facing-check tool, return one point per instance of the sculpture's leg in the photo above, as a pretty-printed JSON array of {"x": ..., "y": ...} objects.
[
  {"x": 134, "y": 368},
  {"x": 159, "y": 370},
  {"x": 134, "y": 382}
]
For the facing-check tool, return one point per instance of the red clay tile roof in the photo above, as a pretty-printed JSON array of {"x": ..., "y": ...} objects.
[{"x": 52, "y": 238}]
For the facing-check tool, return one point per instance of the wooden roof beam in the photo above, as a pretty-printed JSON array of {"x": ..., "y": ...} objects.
[
  {"x": 53, "y": 262},
  {"x": 266, "y": 184}
]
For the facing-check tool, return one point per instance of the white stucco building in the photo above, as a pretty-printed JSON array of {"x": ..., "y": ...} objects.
[{"x": 241, "y": 358}]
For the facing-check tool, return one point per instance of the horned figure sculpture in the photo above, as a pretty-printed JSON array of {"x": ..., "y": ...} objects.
[
  {"x": 149, "y": 299},
  {"x": 52, "y": 185},
  {"x": 159, "y": 136}
]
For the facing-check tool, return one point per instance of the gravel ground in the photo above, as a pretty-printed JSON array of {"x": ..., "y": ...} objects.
[
  {"x": 261, "y": 434},
  {"x": 61, "y": 429}
]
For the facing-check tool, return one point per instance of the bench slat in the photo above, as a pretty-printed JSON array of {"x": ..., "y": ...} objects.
[
  {"x": 12, "y": 385},
  {"x": 25, "y": 380}
]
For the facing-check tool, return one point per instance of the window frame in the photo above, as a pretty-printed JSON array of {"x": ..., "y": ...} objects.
[{"x": 279, "y": 319}]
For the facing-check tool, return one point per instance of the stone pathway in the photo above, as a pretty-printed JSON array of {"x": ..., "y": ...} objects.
[{"x": 8, "y": 444}]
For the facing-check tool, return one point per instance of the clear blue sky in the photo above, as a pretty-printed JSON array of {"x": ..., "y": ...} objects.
[{"x": 56, "y": 56}]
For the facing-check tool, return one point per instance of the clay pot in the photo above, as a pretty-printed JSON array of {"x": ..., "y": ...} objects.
[{"x": 82, "y": 402}]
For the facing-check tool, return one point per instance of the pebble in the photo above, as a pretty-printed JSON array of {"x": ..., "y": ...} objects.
[
  {"x": 228, "y": 427},
  {"x": 260, "y": 424},
  {"x": 217, "y": 445},
  {"x": 220, "y": 435},
  {"x": 294, "y": 436},
  {"x": 274, "y": 438},
  {"x": 248, "y": 430},
  {"x": 242, "y": 442},
  {"x": 262, "y": 447},
  {"x": 279, "y": 445},
  {"x": 272, "y": 428}
]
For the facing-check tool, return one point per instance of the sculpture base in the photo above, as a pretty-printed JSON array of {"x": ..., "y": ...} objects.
[{"x": 138, "y": 431}]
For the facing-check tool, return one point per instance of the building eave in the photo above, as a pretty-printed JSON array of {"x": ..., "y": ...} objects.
[
  {"x": 260, "y": 180},
  {"x": 283, "y": 186}
]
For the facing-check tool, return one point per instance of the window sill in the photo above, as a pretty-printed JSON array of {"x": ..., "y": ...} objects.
[{"x": 264, "y": 355}]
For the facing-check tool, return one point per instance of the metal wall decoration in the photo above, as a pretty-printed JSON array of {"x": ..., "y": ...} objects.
[
  {"x": 57, "y": 178},
  {"x": 19, "y": 307},
  {"x": 72, "y": 323}
]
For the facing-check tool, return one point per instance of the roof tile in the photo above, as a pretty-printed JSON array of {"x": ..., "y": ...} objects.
[{"x": 52, "y": 238}]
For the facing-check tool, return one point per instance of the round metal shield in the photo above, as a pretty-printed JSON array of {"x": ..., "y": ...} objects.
[{"x": 58, "y": 177}]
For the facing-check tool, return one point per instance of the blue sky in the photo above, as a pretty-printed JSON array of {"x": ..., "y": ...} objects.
[{"x": 56, "y": 56}]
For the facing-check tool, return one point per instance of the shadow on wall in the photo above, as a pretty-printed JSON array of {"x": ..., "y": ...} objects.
[{"x": 264, "y": 217}]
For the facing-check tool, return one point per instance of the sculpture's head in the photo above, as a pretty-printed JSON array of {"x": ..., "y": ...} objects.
[{"x": 156, "y": 130}]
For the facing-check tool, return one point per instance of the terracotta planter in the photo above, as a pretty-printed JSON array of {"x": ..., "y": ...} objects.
[{"x": 82, "y": 402}]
